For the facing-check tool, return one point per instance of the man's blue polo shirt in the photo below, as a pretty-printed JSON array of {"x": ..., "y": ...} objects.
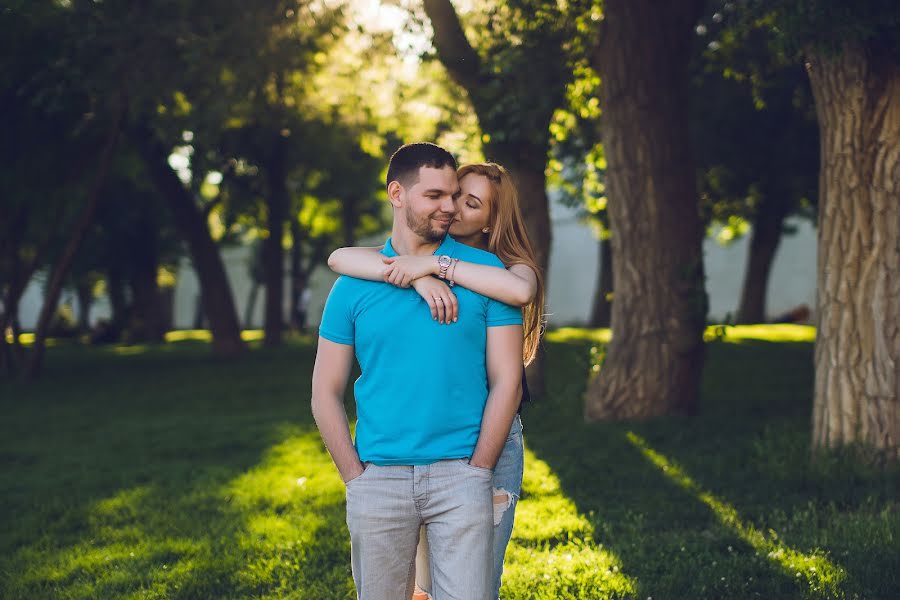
[{"x": 424, "y": 385}]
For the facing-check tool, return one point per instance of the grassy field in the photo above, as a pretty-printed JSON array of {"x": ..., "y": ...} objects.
[{"x": 135, "y": 472}]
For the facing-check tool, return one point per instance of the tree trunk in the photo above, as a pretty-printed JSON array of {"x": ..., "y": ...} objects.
[
  {"x": 79, "y": 231},
  {"x": 857, "y": 95},
  {"x": 601, "y": 310},
  {"x": 147, "y": 318},
  {"x": 20, "y": 275},
  {"x": 273, "y": 249},
  {"x": 297, "y": 279},
  {"x": 217, "y": 299},
  {"x": 525, "y": 156},
  {"x": 654, "y": 362},
  {"x": 12, "y": 354},
  {"x": 251, "y": 305},
  {"x": 115, "y": 291},
  {"x": 85, "y": 294},
  {"x": 528, "y": 175},
  {"x": 349, "y": 220},
  {"x": 764, "y": 241}
]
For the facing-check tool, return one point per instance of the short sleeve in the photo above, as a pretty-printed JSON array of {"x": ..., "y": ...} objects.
[
  {"x": 499, "y": 314},
  {"x": 337, "y": 319},
  {"x": 502, "y": 314}
]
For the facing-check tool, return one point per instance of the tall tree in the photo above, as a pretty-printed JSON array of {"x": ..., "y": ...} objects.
[
  {"x": 852, "y": 54},
  {"x": 753, "y": 129},
  {"x": 655, "y": 359},
  {"x": 515, "y": 75}
]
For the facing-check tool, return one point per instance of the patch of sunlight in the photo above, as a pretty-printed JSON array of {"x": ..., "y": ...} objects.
[
  {"x": 780, "y": 332},
  {"x": 552, "y": 554},
  {"x": 27, "y": 339},
  {"x": 272, "y": 529},
  {"x": 123, "y": 507},
  {"x": 252, "y": 335},
  {"x": 111, "y": 551},
  {"x": 205, "y": 335},
  {"x": 130, "y": 350},
  {"x": 579, "y": 334},
  {"x": 296, "y": 470},
  {"x": 287, "y": 501},
  {"x": 815, "y": 568},
  {"x": 183, "y": 335}
]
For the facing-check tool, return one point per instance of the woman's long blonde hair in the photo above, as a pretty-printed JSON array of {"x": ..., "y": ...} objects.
[{"x": 509, "y": 241}]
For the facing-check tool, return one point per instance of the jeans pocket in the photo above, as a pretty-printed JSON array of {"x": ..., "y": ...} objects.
[
  {"x": 366, "y": 468},
  {"x": 482, "y": 470}
]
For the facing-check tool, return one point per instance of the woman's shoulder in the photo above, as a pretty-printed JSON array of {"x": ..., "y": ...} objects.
[{"x": 476, "y": 255}]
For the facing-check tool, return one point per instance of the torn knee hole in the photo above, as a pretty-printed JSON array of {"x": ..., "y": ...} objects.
[{"x": 502, "y": 501}]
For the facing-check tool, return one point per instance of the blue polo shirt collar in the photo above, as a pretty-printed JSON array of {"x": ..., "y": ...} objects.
[{"x": 448, "y": 247}]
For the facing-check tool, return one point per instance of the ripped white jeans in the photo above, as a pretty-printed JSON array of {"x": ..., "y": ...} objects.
[{"x": 507, "y": 484}]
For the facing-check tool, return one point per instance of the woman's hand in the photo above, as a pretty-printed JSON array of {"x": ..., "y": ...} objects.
[
  {"x": 403, "y": 270},
  {"x": 441, "y": 301}
]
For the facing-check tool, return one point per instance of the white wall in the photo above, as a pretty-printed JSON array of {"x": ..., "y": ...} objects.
[{"x": 573, "y": 274}]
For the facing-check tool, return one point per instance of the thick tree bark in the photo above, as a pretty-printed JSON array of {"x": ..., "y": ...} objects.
[
  {"x": 601, "y": 310},
  {"x": 654, "y": 362},
  {"x": 217, "y": 299},
  {"x": 857, "y": 95},
  {"x": 273, "y": 250},
  {"x": 764, "y": 241}
]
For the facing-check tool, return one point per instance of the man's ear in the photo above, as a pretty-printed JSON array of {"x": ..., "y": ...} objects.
[{"x": 395, "y": 193}]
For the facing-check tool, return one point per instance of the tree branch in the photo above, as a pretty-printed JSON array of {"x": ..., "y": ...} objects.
[{"x": 453, "y": 49}]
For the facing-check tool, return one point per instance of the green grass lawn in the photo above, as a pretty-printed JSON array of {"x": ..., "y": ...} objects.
[{"x": 137, "y": 472}]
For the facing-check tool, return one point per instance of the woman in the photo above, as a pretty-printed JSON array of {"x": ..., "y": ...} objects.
[{"x": 489, "y": 218}]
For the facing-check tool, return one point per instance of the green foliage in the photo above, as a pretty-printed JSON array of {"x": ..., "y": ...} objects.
[
  {"x": 753, "y": 123},
  {"x": 205, "y": 480},
  {"x": 830, "y": 24}
]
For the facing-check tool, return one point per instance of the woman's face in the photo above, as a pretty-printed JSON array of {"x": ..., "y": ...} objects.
[{"x": 474, "y": 210}]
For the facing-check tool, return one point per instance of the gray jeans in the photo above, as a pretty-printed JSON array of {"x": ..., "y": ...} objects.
[{"x": 386, "y": 505}]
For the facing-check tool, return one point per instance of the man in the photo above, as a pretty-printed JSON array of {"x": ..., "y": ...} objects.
[{"x": 434, "y": 402}]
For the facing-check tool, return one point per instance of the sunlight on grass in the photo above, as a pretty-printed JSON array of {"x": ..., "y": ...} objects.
[
  {"x": 781, "y": 332},
  {"x": 553, "y": 554},
  {"x": 293, "y": 502},
  {"x": 204, "y": 335},
  {"x": 130, "y": 350},
  {"x": 727, "y": 333},
  {"x": 110, "y": 548},
  {"x": 820, "y": 574},
  {"x": 297, "y": 469},
  {"x": 578, "y": 334},
  {"x": 267, "y": 532},
  {"x": 27, "y": 339}
]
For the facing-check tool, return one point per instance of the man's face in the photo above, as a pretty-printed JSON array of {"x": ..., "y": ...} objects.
[{"x": 431, "y": 203}]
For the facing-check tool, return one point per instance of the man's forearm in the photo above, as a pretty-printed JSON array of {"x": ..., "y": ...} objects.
[
  {"x": 331, "y": 418},
  {"x": 499, "y": 411}
]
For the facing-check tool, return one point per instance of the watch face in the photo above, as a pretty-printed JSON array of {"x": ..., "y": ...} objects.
[{"x": 444, "y": 261}]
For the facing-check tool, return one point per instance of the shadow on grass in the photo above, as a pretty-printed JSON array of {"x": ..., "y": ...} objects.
[
  {"x": 162, "y": 478},
  {"x": 723, "y": 505}
]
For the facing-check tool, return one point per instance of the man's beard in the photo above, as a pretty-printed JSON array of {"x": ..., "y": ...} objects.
[{"x": 422, "y": 227}]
